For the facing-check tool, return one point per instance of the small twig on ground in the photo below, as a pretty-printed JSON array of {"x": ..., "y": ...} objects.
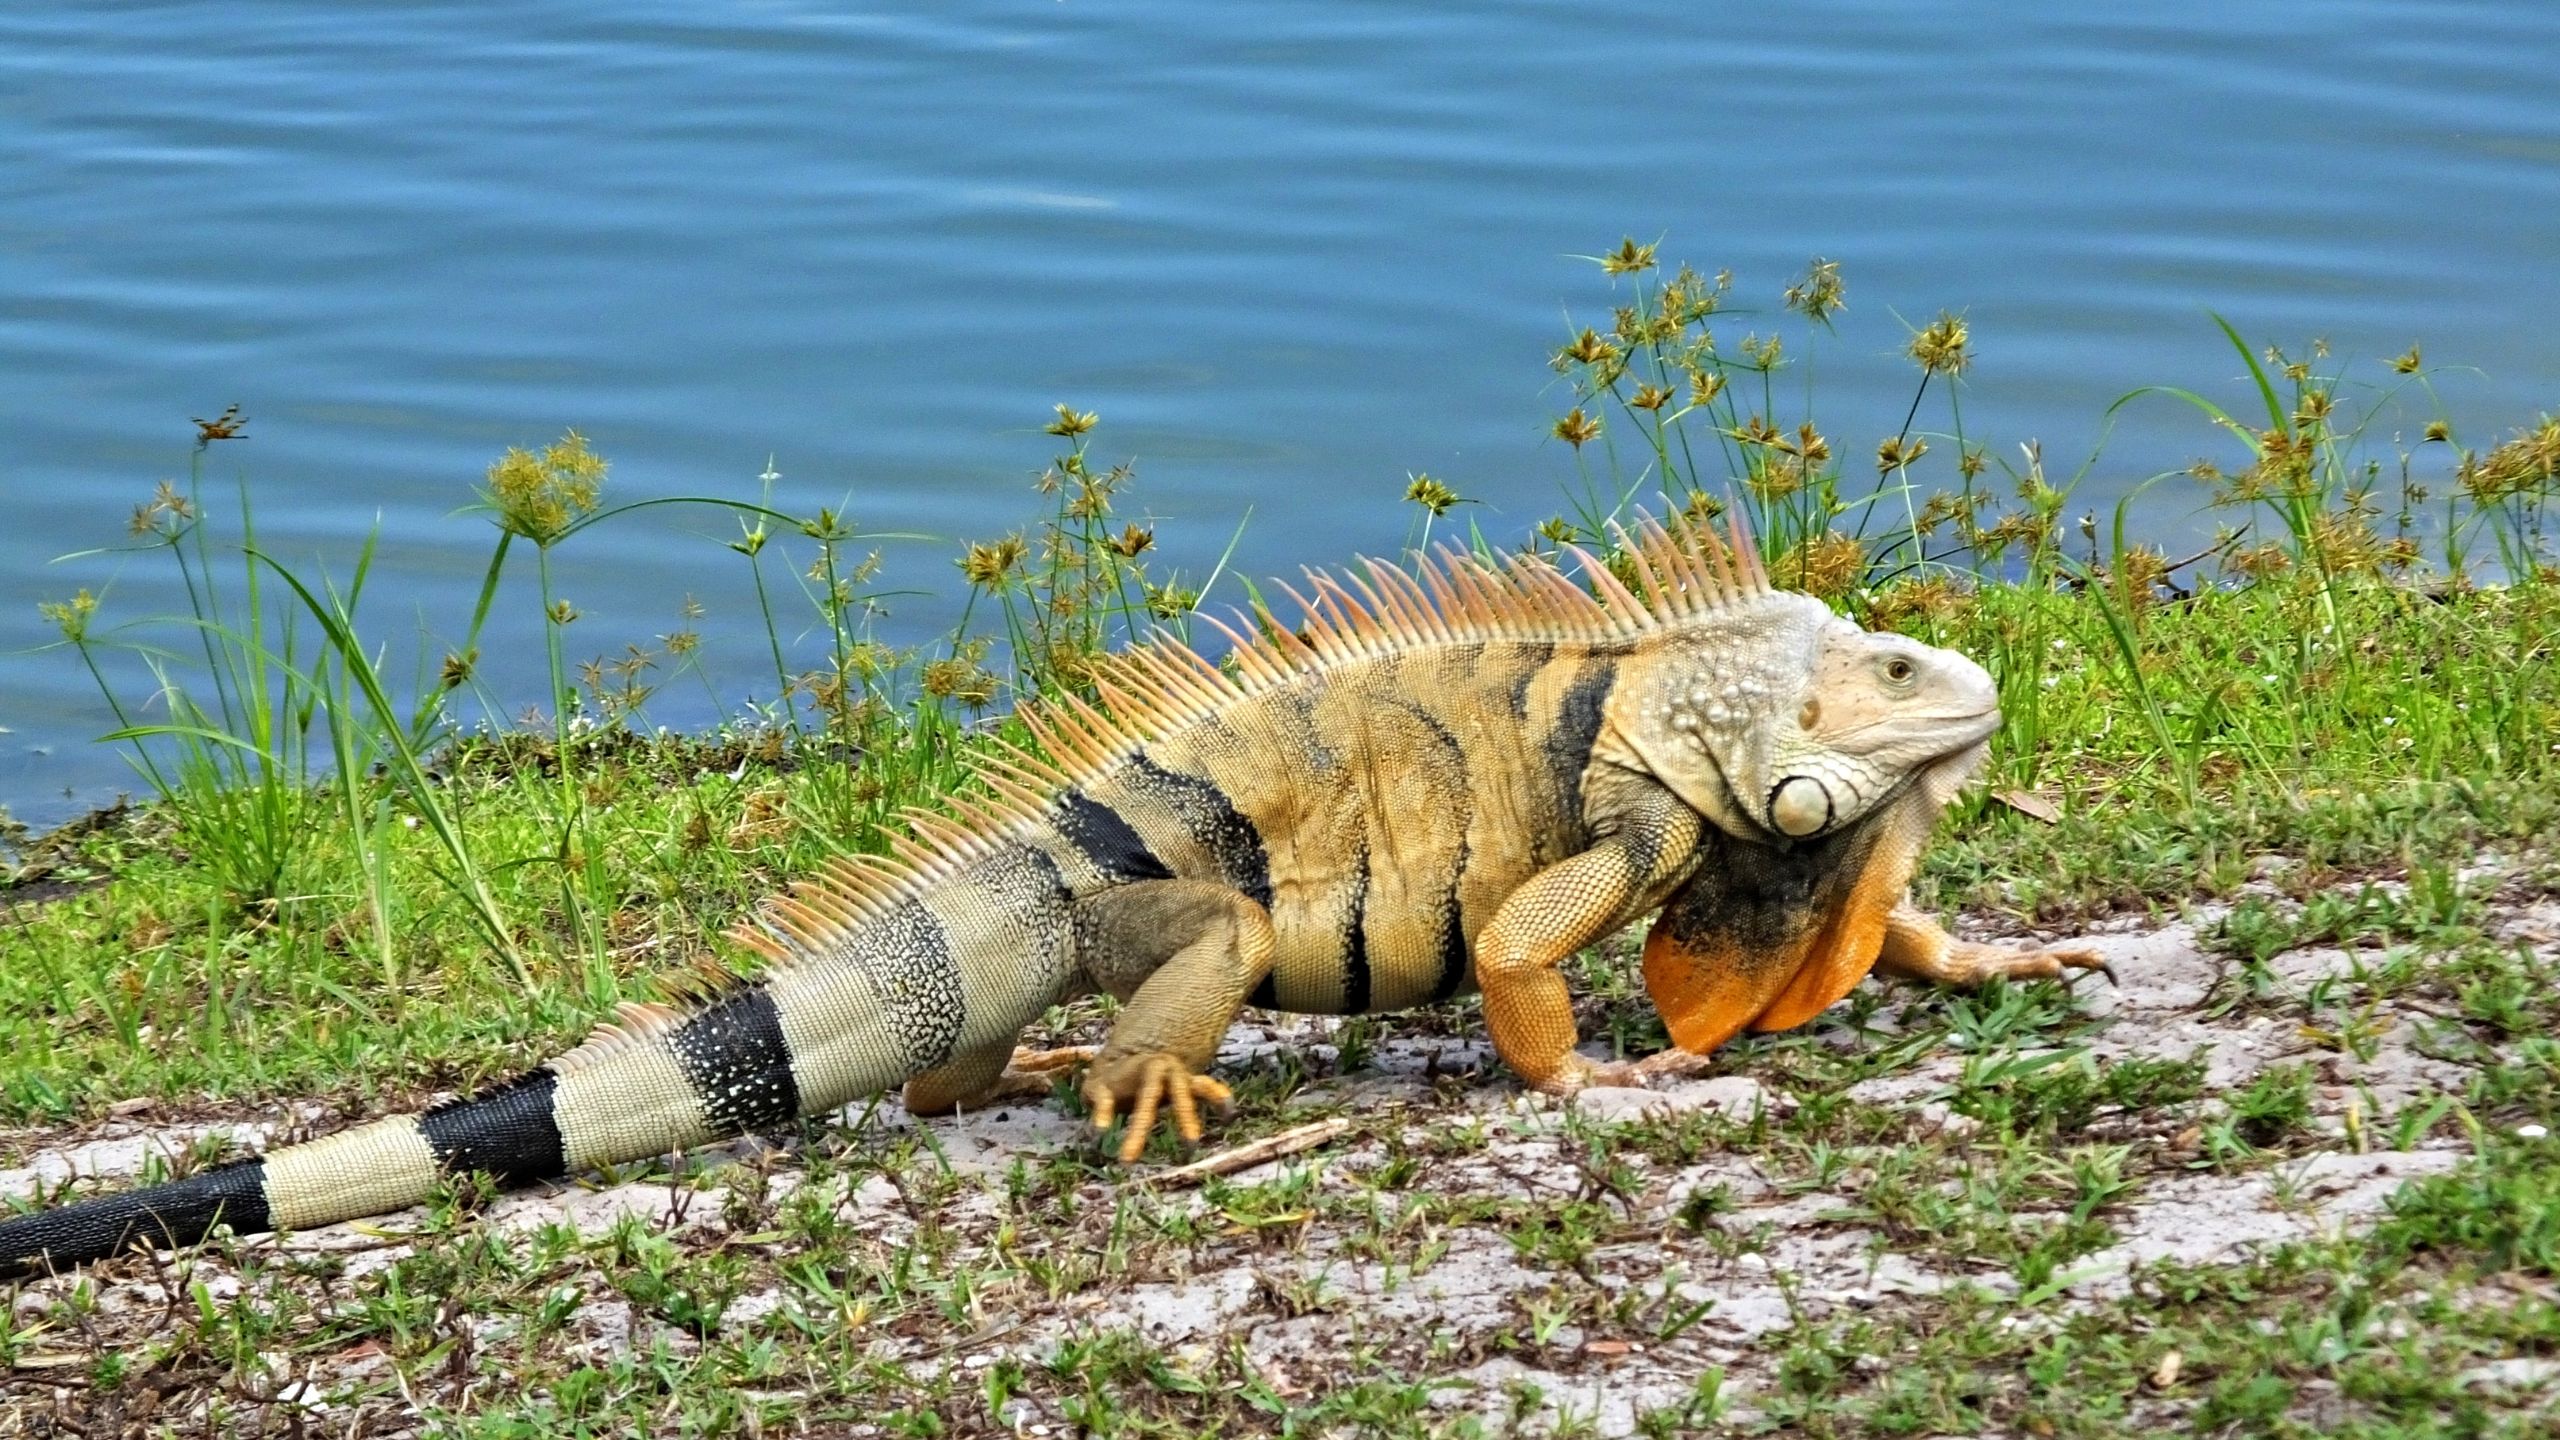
[{"x": 1269, "y": 1147}]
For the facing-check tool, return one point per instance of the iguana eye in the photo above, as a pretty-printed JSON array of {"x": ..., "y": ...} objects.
[{"x": 1897, "y": 670}]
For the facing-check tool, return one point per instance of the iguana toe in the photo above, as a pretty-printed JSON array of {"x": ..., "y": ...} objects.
[
  {"x": 2080, "y": 958},
  {"x": 1146, "y": 1084},
  {"x": 1674, "y": 1064},
  {"x": 1065, "y": 1057},
  {"x": 1971, "y": 965}
]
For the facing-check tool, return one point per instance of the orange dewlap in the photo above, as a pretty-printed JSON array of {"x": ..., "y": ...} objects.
[
  {"x": 1708, "y": 988},
  {"x": 1848, "y": 950},
  {"x": 1707, "y": 993}
]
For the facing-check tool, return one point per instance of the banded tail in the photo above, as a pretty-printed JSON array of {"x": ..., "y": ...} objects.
[
  {"x": 658, "y": 1082},
  {"x": 855, "y": 1005}
]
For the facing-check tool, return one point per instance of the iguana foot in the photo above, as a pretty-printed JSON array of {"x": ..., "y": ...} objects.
[
  {"x": 1643, "y": 1074},
  {"x": 1032, "y": 1074},
  {"x": 1967, "y": 965},
  {"x": 980, "y": 1079},
  {"x": 1674, "y": 1064},
  {"x": 1145, "y": 1083}
]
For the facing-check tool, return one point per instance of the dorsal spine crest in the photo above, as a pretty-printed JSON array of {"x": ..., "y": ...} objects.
[{"x": 1161, "y": 685}]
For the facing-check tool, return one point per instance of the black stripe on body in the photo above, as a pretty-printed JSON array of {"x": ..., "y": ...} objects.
[
  {"x": 1453, "y": 942},
  {"x": 1298, "y": 708},
  {"x": 1532, "y": 659},
  {"x": 1355, "y": 940},
  {"x": 1454, "y": 960},
  {"x": 1213, "y": 820},
  {"x": 1116, "y": 849},
  {"x": 176, "y": 1214},
  {"x": 906, "y": 954},
  {"x": 733, "y": 1054},
  {"x": 510, "y": 1132},
  {"x": 1568, "y": 746}
]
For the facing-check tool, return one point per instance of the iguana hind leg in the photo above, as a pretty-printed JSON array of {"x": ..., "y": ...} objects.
[
  {"x": 1184, "y": 954},
  {"x": 1917, "y": 947},
  {"x": 991, "y": 1076}
]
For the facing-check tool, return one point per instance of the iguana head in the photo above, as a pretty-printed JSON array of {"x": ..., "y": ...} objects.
[{"x": 1778, "y": 720}]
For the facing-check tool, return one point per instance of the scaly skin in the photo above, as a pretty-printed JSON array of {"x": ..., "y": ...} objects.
[{"x": 1444, "y": 780}]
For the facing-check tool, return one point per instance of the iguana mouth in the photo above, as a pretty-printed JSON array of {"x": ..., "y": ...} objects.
[{"x": 1962, "y": 728}]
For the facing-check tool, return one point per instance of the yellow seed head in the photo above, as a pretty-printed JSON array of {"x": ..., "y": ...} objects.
[
  {"x": 1818, "y": 294},
  {"x": 958, "y": 678},
  {"x": 2528, "y": 462},
  {"x": 1171, "y": 602},
  {"x": 1896, "y": 451},
  {"x": 540, "y": 496},
  {"x": 1828, "y": 565},
  {"x": 1936, "y": 599},
  {"x": 1587, "y": 349},
  {"x": 1944, "y": 347},
  {"x": 70, "y": 616},
  {"x": 1431, "y": 495},
  {"x": 1629, "y": 258},
  {"x": 1131, "y": 541},
  {"x": 1700, "y": 509},
  {"x": 2259, "y": 562}
]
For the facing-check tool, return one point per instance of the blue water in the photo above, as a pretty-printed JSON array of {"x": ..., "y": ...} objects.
[{"x": 1290, "y": 252}]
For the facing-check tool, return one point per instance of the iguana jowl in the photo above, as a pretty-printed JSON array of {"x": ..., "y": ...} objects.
[{"x": 1450, "y": 777}]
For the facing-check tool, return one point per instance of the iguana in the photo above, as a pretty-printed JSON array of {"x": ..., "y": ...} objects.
[{"x": 1446, "y": 776}]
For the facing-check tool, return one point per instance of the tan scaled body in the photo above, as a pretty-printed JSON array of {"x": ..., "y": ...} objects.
[
  {"x": 1463, "y": 779},
  {"x": 1452, "y": 777}
]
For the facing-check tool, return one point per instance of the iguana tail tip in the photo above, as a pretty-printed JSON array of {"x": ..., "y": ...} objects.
[{"x": 177, "y": 1214}]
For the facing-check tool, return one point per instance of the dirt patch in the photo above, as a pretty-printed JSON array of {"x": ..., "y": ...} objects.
[{"x": 1619, "y": 1261}]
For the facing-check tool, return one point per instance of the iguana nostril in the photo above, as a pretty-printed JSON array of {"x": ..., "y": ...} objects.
[{"x": 1801, "y": 806}]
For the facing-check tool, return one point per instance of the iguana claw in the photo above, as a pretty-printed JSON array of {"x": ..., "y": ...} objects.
[
  {"x": 2081, "y": 958},
  {"x": 1968, "y": 965},
  {"x": 1147, "y": 1082}
]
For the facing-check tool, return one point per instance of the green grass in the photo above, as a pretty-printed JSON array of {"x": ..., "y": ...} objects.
[
  {"x": 167, "y": 980},
  {"x": 338, "y": 890}
]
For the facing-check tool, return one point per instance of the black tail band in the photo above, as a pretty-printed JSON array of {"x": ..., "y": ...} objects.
[
  {"x": 169, "y": 1216},
  {"x": 510, "y": 1133}
]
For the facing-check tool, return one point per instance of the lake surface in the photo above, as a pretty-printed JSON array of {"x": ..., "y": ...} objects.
[{"x": 1290, "y": 253}]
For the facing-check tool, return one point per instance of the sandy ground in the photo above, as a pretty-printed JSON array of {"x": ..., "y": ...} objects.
[{"x": 1470, "y": 1305}]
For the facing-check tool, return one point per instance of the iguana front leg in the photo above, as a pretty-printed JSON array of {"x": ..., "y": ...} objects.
[
  {"x": 1560, "y": 910},
  {"x": 1184, "y": 954},
  {"x": 1917, "y": 947}
]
